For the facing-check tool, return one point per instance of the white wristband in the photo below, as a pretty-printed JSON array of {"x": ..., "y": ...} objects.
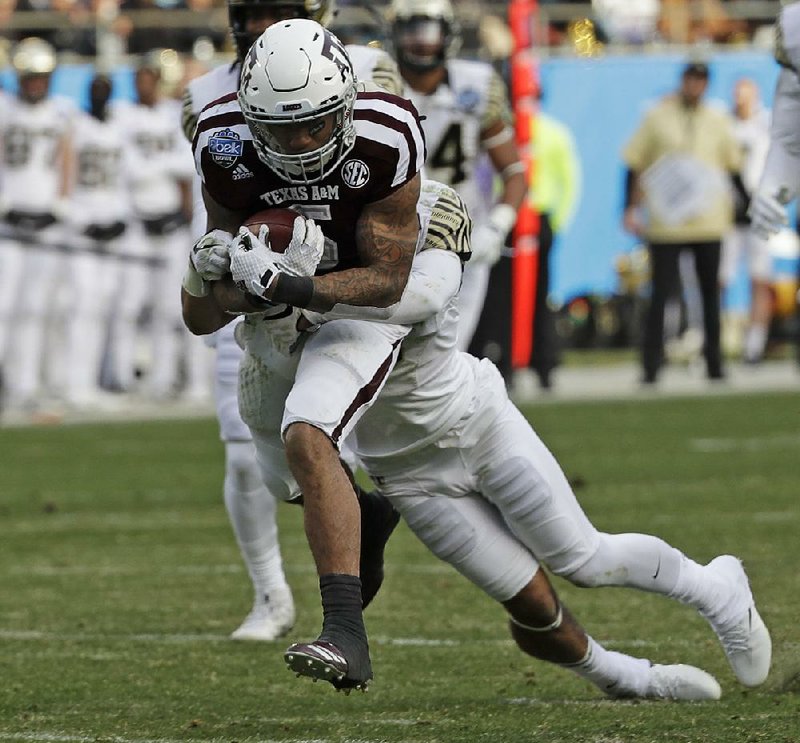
[
  {"x": 503, "y": 217},
  {"x": 194, "y": 283}
]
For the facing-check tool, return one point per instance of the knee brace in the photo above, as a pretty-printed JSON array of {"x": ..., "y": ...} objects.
[{"x": 241, "y": 467}]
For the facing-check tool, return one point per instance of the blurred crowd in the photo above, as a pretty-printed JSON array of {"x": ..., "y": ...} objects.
[{"x": 135, "y": 26}]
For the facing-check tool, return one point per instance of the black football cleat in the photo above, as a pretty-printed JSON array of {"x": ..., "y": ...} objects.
[{"x": 322, "y": 660}]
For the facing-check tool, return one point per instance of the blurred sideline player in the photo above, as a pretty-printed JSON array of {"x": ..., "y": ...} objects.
[
  {"x": 780, "y": 181},
  {"x": 160, "y": 173},
  {"x": 101, "y": 209},
  {"x": 465, "y": 113},
  {"x": 35, "y": 145},
  {"x": 751, "y": 129},
  {"x": 251, "y": 508}
]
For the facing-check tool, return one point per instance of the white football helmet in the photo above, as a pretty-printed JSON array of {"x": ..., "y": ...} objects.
[
  {"x": 33, "y": 56},
  {"x": 424, "y": 33},
  {"x": 239, "y": 11},
  {"x": 296, "y": 72}
]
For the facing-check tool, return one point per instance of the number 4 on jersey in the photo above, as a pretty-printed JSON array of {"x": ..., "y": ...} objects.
[{"x": 449, "y": 155}]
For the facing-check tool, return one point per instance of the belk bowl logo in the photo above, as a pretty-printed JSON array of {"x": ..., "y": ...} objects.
[
  {"x": 355, "y": 173},
  {"x": 468, "y": 100},
  {"x": 225, "y": 148}
]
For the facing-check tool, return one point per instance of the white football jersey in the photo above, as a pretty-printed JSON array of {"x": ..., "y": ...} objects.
[
  {"x": 100, "y": 187},
  {"x": 159, "y": 157},
  {"x": 753, "y": 136},
  {"x": 32, "y": 153},
  {"x": 471, "y": 99}
]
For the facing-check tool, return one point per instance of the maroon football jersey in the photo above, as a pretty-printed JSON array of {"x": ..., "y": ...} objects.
[{"x": 389, "y": 150}]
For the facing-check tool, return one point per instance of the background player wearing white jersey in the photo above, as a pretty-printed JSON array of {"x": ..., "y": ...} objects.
[
  {"x": 35, "y": 147},
  {"x": 251, "y": 508},
  {"x": 101, "y": 208},
  {"x": 465, "y": 113},
  {"x": 751, "y": 123},
  {"x": 160, "y": 174},
  {"x": 351, "y": 158}
]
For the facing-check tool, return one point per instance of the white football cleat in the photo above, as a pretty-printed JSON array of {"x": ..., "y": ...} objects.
[
  {"x": 738, "y": 625},
  {"x": 681, "y": 683},
  {"x": 272, "y": 617}
]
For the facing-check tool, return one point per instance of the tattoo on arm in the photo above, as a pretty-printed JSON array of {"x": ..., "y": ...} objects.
[{"x": 386, "y": 238}]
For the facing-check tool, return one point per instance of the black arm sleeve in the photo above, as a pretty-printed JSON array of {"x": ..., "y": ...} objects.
[
  {"x": 741, "y": 200},
  {"x": 630, "y": 182}
]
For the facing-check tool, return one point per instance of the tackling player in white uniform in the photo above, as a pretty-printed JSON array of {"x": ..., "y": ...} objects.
[
  {"x": 160, "y": 174},
  {"x": 101, "y": 209},
  {"x": 480, "y": 489},
  {"x": 34, "y": 142},
  {"x": 465, "y": 113},
  {"x": 251, "y": 508}
]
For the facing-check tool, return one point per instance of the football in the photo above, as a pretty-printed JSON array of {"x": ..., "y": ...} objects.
[{"x": 280, "y": 223}]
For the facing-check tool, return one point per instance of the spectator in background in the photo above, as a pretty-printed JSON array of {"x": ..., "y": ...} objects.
[
  {"x": 692, "y": 21},
  {"x": 751, "y": 127},
  {"x": 554, "y": 190},
  {"x": 678, "y": 160},
  {"x": 628, "y": 21}
]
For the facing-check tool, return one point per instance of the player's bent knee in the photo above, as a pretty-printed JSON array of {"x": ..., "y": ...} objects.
[
  {"x": 599, "y": 570},
  {"x": 305, "y": 443}
]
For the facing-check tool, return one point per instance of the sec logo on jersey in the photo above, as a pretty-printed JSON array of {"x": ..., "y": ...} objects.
[{"x": 355, "y": 173}]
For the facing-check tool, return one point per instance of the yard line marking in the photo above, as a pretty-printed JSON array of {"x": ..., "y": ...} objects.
[
  {"x": 46, "y": 736},
  {"x": 49, "y": 571},
  {"x": 754, "y": 444},
  {"x": 177, "y": 639}
]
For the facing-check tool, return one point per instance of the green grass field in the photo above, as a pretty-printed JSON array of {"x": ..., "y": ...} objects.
[{"x": 120, "y": 581}]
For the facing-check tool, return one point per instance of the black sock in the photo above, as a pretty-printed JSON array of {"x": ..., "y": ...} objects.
[{"x": 343, "y": 623}]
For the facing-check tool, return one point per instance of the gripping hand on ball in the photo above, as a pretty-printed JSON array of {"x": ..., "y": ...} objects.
[
  {"x": 210, "y": 256},
  {"x": 253, "y": 265},
  {"x": 304, "y": 251}
]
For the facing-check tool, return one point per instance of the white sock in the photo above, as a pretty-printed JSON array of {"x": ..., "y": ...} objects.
[
  {"x": 613, "y": 673},
  {"x": 755, "y": 342},
  {"x": 252, "y": 509}
]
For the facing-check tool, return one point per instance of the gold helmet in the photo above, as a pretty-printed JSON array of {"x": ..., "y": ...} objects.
[
  {"x": 321, "y": 11},
  {"x": 33, "y": 56}
]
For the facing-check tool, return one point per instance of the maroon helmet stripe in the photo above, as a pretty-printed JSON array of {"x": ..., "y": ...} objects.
[{"x": 366, "y": 393}]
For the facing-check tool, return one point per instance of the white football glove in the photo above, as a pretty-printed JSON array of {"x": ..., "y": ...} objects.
[
  {"x": 255, "y": 266},
  {"x": 209, "y": 255},
  {"x": 767, "y": 214},
  {"x": 487, "y": 243},
  {"x": 489, "y": 237}
]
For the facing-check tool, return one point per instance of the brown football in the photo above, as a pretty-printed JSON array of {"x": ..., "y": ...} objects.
[{"x": 281, "y": 226}]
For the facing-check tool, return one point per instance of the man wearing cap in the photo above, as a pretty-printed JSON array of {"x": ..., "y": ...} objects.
[{"x": 681, "y": 161}]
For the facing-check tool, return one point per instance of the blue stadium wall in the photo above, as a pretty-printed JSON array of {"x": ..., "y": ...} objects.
[{"x": 601, "y": 101}]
